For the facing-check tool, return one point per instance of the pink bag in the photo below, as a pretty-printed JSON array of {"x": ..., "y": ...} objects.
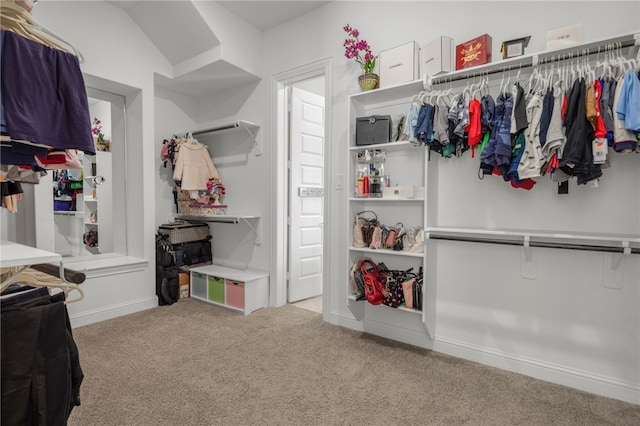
[{"x": 376, "y": 238}]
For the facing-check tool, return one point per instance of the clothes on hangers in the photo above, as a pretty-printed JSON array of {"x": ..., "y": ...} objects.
[
  {"x": 52, "y": 109},
  {"x": 194, "y": 167},
  {"x": 624, "y": 140},
  {"x": 41, "y": 371},
  {"x": 565, "y": 128}
]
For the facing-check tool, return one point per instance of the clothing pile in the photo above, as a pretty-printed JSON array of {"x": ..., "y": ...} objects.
[{"x": 547, "y": 128}]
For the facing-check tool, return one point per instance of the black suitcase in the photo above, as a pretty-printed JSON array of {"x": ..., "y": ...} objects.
[
  {"x": 184, "y": 231},
  {"x": 192, "y": 253}
]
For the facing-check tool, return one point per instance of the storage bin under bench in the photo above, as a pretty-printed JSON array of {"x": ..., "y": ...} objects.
[{"x": 243, "y": 291}]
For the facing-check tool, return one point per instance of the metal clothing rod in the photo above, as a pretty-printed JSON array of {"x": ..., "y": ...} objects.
[
  {"x": 217, "y": 129},
  {"x": 545, "y": 57},
  {"x": 566, "y": 246}
]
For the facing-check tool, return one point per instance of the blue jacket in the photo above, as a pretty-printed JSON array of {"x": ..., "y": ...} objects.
[{"x": 498, "y": 150}]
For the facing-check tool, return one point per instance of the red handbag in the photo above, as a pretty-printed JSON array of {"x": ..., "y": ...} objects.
[{"x": 374, "y": 289}]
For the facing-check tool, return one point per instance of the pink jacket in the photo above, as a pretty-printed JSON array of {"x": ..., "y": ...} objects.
[{"x": 194, "y": 166}]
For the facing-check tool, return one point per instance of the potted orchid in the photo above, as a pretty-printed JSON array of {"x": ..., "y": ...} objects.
[
  {"x": 360, "y": 51},
  {"x": 96, "y": 130}
]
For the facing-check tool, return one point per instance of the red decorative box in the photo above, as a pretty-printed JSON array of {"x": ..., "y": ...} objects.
[{"x": 473, "y": 52}]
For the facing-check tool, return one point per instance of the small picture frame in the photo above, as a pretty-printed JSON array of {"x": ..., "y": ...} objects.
[{"x": 515, "y": 47}]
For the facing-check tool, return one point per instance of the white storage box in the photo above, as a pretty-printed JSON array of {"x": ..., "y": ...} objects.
[
  {"x": 403, "y": 192},
  {"x": 400, "y": 64},
  {"x": 437, "y": 57}
]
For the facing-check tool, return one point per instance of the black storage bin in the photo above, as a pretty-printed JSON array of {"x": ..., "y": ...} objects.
[{"x": 373, "y": 129}]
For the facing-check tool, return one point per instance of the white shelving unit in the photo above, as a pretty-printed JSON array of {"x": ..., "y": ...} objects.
[
  {"x": 99, "y": 206},
  {"x": 241, "y": 291},
  {"x": 224, "y": 131},
  {"x": 405, "y": 163}
]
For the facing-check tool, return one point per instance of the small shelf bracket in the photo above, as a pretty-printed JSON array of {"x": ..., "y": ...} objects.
[
  {"x": 255, "y": 229},
  {"x": 257, "y": 142}
]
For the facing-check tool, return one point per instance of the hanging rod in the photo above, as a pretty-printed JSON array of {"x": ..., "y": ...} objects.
[
  {"x": 249, "y": 126},
  {"x": 542, "y": 244},
  {"x": 217, "y": 129},
  {"x": 544, "y": 57}
]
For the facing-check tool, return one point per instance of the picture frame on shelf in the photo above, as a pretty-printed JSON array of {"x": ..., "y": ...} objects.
[{"x": 515, "y": 47}]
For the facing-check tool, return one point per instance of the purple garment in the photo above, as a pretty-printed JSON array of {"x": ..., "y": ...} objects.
[
  {"x": 3, "y": 121},
  {"x": 43, "y": 95}
]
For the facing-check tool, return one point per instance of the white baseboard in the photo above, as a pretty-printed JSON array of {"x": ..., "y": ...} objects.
[
  {"x": 558, "y": 374},
  {"x": 562, "y": 375},
  {"x": 109, "y": 312}
]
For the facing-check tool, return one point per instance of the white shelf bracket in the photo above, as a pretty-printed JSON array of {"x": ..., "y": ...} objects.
[
  {"x": 255, "y": 229},
  {"x": 612, "y": 273},
  {"x": 529, "y": 260},
  {"x": 257, "y": 141}
]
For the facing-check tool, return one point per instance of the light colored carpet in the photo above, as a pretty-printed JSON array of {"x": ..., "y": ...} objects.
[{"x": 192, "y": 363}]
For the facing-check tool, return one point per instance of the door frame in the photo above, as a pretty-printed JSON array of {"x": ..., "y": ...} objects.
[{"x": 280, "y": 180}]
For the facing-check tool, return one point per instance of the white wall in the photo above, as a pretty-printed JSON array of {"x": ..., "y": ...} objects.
[
  {"x": 118, "y": 58},
  {"x": 564, "y": 326}
]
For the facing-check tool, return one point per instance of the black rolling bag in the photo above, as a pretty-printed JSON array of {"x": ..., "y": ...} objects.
[
  {"x": 192, "y": 253},
  {"x": 166, "y": 272}
]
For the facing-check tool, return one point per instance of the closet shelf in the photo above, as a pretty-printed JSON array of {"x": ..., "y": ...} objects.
[
  {"x": 386, "y": 251},
  {"x": 403, "y": 90},
  {"x": 68, "y": 213},
  {"x": 237, "y": 126},
  {"x": 14, "y": 254},
  {"x": 572, "y": 241},
  {"x": 399, "y": 308},
  {"x": 386, "y": 199},
  {"x": 538, "y": 58},
  {"x": 389, "y": 146},
  {"x": 229, "y": 219}
]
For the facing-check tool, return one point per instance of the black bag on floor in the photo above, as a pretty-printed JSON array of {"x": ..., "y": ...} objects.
[
  {"x": 192, "y": 253},
  {"x": 167, "y": 285},
  {"x": 166, "y": 272}
]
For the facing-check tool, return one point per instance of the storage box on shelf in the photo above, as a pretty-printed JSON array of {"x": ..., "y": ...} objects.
[
  {"x": 437, "y": 56},
  {"x": 403, "y": 166},
  {"x": 399, "y": 64},
  {"x": 243, "y": 291}
]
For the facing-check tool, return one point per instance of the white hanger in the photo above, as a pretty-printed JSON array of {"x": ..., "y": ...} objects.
[
  {"x": 30, "y": 27},
  {"x": 41, "y": 279}
]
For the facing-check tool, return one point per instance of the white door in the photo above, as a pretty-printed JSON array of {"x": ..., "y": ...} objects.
[{"x": 306, "y": 199}]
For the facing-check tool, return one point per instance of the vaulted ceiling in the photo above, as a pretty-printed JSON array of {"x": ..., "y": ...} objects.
[{"x": 190, "y": 43}]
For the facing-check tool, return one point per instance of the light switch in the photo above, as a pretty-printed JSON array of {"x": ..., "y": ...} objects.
[{"x": 340, "y": 181}]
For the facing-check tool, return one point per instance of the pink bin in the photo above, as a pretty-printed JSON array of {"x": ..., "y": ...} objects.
[{"x": 234, "y": 294}]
